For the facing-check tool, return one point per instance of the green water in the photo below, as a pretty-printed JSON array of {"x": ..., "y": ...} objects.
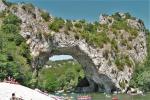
[{"x": 101, "y": 96}]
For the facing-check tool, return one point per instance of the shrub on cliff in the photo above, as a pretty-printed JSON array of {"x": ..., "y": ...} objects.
[
  {"x": 45, "y": 15},
  {"x": 11, "y": 24},
  {"x": 57, "y": 24},
  {"x": 11, "y": 19}
]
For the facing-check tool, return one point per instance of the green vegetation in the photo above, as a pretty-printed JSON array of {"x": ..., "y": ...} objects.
[
  {"x": 57, "y": 24},
  {"x": 114, "y": 46},
  {"x": 97, "y": 39},
  {"x": 82, "y": 29},
  {"x": 121, "y": 24},
  {"x": 61, "y": 75},
  {"x": 11, "y": 19},
  {"x": 117, "y": 16},
  {"x": 11, "y": 24},
  {"x": 122, "y": 84},
  {"x": 119, "y": 64},
  {"x": 45, "y": 15},
  {"x": 141, "y": 76},
  {"x": 14, "y": 53},
  {"x": 89, "y": 31},
  {"x": 2, "y": 14},
  {"x": 15, "y": 59},
  {"x": 28, "y": 8},
  {"x": 78, "y": 25},
  {"x": 122, "y": 60},
  {"x": 68, "y": 25}
]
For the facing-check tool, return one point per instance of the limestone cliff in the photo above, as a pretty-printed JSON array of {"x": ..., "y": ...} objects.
[{"x": 110, "y": 65}]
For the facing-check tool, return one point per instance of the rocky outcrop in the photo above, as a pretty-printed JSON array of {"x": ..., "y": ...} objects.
[
  {"x": 2, "y": 6},
  {"x": 98, "y": 63}
]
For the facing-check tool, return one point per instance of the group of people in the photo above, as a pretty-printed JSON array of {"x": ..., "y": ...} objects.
[{"x": 10, "y": 80}]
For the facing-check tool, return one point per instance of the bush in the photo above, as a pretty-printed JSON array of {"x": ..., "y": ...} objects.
[
  {"x": 128, "y": 16},
  {"x": 141, "y": 79},
  {"x": 78, "y": 25},
  {"x": 134, "y": 32},
  {"x": 57, "y": 24},
  {"x": 11, "y": 24},
  {"x": 117, "y": 16},
  {"x": 118, "y": 25},
  {"x": 119, "y": 64},
  {"x": 11, "y": 19},
  {"x": 121, "y": 61},
  {"x": 127, "y": 61},
  {"x": 10, "y": 28},
  {"x": 68, "y": 25},
  {"x": 122, "y": 84},
  {"x": 83, "y": 21},
  {"x": 114, "y": 45},
  {"x": 122, "y": 25},
  {"x": 45, "y": 16},
  {"x": 28, "y": 8},
  {"x": 18, "y": 39},
  {"x": 90, "y": 27},
  {"x": 97, "y": 39}
]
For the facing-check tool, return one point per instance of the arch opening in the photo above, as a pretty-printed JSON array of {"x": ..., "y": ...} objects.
[
  {"x": 71, "y": 71},
  {"x": 93, "y": 81}
]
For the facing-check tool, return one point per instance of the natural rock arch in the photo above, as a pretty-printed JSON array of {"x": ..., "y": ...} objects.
[
  {"x": 60, "y": 45},
  {"x": 99, "y": 70}
]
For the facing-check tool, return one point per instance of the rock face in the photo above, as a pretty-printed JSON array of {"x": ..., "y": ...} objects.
[
  {"x": 2, "y": 6},
  {"x": 100, "y": 71}
]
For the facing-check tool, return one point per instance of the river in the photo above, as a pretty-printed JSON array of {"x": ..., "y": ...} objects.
[{"x": 102, "y": 96}]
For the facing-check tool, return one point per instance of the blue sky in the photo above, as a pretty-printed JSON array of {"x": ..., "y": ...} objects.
[
  {"x": 91, "y": 9},
  {"x": 60, "y": 57}
]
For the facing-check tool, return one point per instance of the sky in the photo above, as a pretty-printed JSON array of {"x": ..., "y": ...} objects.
[
  {"x": 60, "y": 57},
  {"x": 90, "y": 10}
]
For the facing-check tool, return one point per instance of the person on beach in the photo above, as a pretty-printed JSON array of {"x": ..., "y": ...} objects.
[{"x": 13, "y": 97}]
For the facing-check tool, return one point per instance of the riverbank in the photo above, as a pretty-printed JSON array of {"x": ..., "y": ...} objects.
[{"x": 6, "y": 90}]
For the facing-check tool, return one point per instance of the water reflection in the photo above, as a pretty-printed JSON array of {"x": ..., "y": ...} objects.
[{"x": 103, "y": 96}]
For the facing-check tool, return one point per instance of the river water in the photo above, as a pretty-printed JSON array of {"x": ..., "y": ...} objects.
[{"x": 102, "y": 96}]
